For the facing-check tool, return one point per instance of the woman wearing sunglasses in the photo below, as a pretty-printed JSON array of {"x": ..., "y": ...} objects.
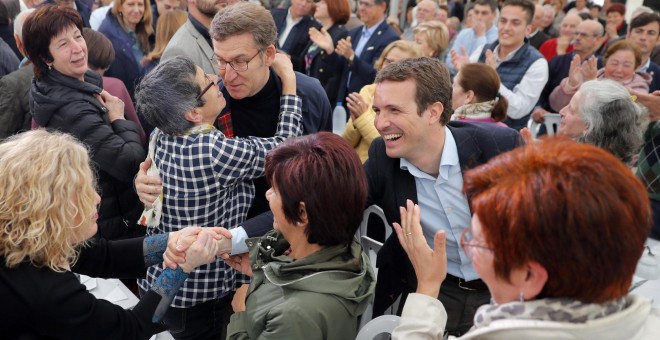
[{"x": 557, "y": 230}]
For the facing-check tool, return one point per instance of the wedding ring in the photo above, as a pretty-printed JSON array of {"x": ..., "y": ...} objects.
[{"x": 408, "y": 234}]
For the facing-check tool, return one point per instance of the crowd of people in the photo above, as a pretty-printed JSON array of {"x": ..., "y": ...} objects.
[{"x": 204, "y": 127}]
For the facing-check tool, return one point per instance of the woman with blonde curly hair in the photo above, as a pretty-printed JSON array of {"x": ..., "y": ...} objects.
[{"x": 47, "y": 213}]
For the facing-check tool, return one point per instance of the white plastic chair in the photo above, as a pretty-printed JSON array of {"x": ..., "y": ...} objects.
[
  {"x": 382, "y": 324},
  {"x": 371, "y": 247},
  {"x": 372, "y": 209},
  {"x": 551, "y": 123}
]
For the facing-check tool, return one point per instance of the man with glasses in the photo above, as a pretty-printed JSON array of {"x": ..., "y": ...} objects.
[
  {"x": 421, "y": 156},
  {"x": 587, "y": 39},
  {"x": 425, "y": 10},
  {"x": 206, "y": 179},
  {"x": 356, "y": 55}
]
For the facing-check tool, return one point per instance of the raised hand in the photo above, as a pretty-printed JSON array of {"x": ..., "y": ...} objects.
[
  {"x": 539, "y": 115},
  {"x": 322, "y": 38},
  {"x": 284, "y": 69},
  {"x": 574, "y": 75},
  {"x": 356, "y": 105},
  {"x": 344, "y": 48},
  {"x": 491, "y": 59},
  {"x": 589, "y": 69},
  {"x": 430, "y": 264},
  {"x": 458, "y": 60}
]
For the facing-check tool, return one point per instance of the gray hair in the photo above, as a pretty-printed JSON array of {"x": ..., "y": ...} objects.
[
  {"x": 245, "y": 17},
  {"x": 19, "y": 20},
  {"x": 614, "y": 122},
  {"x": 167, "y": 93}
]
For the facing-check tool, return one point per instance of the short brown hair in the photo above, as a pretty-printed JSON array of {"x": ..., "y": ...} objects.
[
  {"x": 102, "y": 54},
  {"x": 245, "y": 17},
  {"x": 432, "y": 82},
  {"x": 572, "y": 207},
  {"x": 40, "y": 27},
  {"x": 323, "y": 161},
  {"x": 339, "y": 11},
  {"x": 484, "y": 81},
  {"x": 526, "y": 5},
  {"x": 624, "y": 45}
]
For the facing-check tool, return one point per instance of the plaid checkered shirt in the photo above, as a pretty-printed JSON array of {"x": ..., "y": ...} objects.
[{"x": 207, "y": 182}]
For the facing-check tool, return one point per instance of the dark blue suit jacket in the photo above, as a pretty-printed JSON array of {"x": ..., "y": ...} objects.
[
  {"x": 362, "y": 68},
  {"x": 296, "y": 42},
  {"x": 654, "y": 71},
  {"x": 390, "y": 187}
]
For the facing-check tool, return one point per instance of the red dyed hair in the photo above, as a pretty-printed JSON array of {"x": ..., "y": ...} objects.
[
  {"x": 339, "y": 11},
  {"x": 323, "y": 171},
  {"x": 573, "y": 208}
]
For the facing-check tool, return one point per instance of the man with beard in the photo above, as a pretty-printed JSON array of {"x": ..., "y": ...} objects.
[{"x": 192, "y": 40}]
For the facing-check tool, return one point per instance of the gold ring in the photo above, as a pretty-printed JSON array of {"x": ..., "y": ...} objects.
[{"x": 408, "y": 234}]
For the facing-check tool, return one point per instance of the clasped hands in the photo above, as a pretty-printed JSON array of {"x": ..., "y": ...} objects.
[{"x": 192, "y": 247}]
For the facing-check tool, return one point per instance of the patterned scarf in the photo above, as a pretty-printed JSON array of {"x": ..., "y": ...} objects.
[
  {"x": 558, "y": 310},
  {"x": 474, "y": 111}
]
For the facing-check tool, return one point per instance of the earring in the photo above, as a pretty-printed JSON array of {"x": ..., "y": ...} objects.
[
  {"x": 521, "y": 297},
  {"x": 50, "y": 67}
]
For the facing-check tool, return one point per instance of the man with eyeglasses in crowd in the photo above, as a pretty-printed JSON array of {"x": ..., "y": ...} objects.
[
  {"x": 587, "y": 39},
  {"x": 244, "y": 38},
  {"x": 356, "y": 55}
]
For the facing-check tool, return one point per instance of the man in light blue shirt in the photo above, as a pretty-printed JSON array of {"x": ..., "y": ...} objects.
[
  {"x": 482, "y": 31},
  {"x": 421, "y": 156}
]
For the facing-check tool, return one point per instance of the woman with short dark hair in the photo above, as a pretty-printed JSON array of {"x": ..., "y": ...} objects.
[
  {"x": 68, "y": 97},
  {"x": 310, "y": 279}
]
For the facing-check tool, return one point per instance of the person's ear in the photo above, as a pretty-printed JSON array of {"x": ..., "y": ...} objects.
[
  {"x": 533, "y": 277},
  {"x": 194, "y": 116},
  {"x": 528, "y": 29},
  {"x": 435, "y": 112},
  {"x": 470, "y": 97},
  {"x": 270, "y": 55},
  {"x": 302, "y": 213}
]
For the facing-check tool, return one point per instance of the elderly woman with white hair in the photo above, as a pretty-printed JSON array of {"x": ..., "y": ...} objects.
[{"x": 603, "y": 113}]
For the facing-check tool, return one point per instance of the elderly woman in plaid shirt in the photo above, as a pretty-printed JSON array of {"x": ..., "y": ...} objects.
[{"x": 206, "y": 177}]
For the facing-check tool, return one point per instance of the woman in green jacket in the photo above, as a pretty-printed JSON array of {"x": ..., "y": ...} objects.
[{"x": 310, "y": 279}]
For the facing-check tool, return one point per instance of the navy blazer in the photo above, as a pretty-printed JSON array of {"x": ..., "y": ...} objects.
[
  {"x": 390, "y": 187},
  {"x": 298, "y": 39},
  {"x": 320, "y": 68},
  {"x": 362, "y": 68},
  {"x": 654, "y": 71}
]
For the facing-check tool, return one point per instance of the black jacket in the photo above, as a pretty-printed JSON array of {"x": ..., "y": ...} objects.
[
  {"x": 298, "y": 38},
  {"x": 327, "y": 73},
  {"x": 67, "y": 104}
]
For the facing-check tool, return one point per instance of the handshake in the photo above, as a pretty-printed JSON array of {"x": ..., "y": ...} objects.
[{"x": 192, "y": 247}]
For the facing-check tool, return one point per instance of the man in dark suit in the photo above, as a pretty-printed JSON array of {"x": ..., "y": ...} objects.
[
  {"x": 421, "y": 157},
  {"x": 293, "y": 26},
  {"x": 363, "y": 46}
]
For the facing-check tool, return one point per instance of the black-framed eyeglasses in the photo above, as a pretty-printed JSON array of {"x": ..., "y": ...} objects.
[
  {"x": 207, "y": 87},
  {"x": 366, "y": 4},
  {"x": 468, "y": 243},
  {"x": 238, "y": 66}
]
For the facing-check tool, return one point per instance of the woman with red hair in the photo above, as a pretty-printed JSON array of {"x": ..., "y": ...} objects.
[{"x": 557, "y": 230}]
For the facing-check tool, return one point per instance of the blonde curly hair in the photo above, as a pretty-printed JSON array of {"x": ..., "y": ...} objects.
[{"x": 47, "y": 198}]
